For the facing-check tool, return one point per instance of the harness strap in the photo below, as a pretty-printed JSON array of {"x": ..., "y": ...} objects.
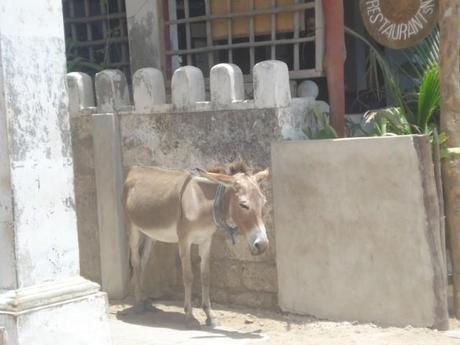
[{"x": 218, "y": 213}]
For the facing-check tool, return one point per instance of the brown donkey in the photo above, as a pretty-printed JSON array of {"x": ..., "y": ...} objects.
[{"x": 179, "y": 207}]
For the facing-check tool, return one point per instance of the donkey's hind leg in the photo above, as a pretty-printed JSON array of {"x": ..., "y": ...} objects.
[
  {"x": 136, "y": 243},
  {"x": 145, "y": 256}
]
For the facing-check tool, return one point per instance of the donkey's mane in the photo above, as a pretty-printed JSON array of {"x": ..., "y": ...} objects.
[{"x": 233, "y": 168}]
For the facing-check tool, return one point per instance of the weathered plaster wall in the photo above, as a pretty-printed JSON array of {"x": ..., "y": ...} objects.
[
  {"x": 36, "y": 149},
  {"x": 43, "y": 300},
  {"x": 182, "y": 141},
  {"x": 188, "y": 140},
  {"x": 190, "y": 132},
  {"x": 358, "y": 233}
]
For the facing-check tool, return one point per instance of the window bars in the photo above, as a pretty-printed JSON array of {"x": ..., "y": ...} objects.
[
  {"x": 245, "y": 32},
  {"x": 96, "y": 35}
]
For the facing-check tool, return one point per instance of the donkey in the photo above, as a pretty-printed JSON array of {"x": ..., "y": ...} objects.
[{"x": 179, "y": 207}]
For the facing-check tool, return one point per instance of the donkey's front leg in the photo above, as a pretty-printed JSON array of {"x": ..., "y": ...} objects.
[
  {"x": 205, "y": 249},
  {"x": 187, "y": 277}
]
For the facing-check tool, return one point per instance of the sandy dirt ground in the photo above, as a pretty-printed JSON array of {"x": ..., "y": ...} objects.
[{"x": 249, "y": 326}]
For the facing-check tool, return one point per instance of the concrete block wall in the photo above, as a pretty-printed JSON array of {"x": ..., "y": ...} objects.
[{"x": 189, "y": 132}]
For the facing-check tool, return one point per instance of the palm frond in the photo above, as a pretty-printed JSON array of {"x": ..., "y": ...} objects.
[
  {"x": 377, "y": 62},
  {"x": 423, "y": 55},
  {"x": 429, "y": 97},
  {"x": 415, "y": 110}
]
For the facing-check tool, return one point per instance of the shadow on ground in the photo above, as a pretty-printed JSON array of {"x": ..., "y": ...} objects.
[{"x": 159, "y": 318}]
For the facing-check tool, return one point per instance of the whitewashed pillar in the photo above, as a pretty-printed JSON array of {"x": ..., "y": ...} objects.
[
  {"x": 187, "y": 87},
  {"x": 43, "y": 299},
  {"x": 81, "y": 93},
  {"x": 148, "y": 89},
  {"x": 111, "y": 95},
  {"x": 226, "y": 84},
  {"x": 271, "y": 84}
]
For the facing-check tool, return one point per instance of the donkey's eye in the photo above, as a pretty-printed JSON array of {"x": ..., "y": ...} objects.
[{"x": 246, "y": 207}]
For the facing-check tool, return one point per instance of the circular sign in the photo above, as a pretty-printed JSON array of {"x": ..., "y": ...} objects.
[{"x": 399, "y": 23}]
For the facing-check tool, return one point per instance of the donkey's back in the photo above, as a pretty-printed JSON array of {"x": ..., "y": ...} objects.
[{"x": 152, "y": 197}]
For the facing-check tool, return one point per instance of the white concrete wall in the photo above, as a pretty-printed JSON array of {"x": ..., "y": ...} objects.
[
  {"x": 34, "y": 114},
  {"x": 74, "y": 323}
]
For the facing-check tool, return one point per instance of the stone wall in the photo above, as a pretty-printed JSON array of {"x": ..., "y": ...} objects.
[
  {"x": 189, "y": 140},
  {"x": 190, "y": 132}
]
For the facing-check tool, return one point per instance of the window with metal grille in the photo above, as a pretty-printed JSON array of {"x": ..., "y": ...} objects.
[
  {"x": 206, "y": 32},
  {"x": 96, "y": 35}
]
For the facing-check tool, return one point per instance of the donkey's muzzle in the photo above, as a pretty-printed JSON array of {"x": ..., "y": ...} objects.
[{"x": 259, "y": 247}]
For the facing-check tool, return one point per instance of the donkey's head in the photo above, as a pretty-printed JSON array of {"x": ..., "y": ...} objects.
[{"x": 245, "y": 203}]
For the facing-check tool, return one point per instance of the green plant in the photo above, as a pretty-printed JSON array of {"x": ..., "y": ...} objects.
[
  {"x": 421, "y": 56},
  {"x": 76, "y": 63},
  {"x": 415, "y": 111},
  {"x": 429, "y": 98},
  {"x": 381, "y": 76},
  {"x": 387, "y": 121},
  {"x": 323, "y": 129},
  {"x": 405, "y": 119}
]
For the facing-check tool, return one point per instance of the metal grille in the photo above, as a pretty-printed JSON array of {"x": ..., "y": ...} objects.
[
  {"x": 206, "y": 32},
  {"x": 96, "y": 35}
]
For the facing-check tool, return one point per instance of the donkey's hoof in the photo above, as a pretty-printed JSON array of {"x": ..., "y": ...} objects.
[
  {"x": 212, "y": 322},
  {"x": 192, "y": 323},
  {"x": 148, "y": 306},
  {"x": 138, "y": 308}
]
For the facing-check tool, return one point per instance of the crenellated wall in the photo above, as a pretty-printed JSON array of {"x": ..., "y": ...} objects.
[{"x": 189, "y": 132}]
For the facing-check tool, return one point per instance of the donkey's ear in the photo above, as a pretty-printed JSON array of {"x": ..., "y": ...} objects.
[
  {"x": 261, "y": 175},
  {"x": 226, "y": 180}
]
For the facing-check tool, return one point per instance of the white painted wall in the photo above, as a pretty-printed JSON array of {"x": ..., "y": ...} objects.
[{"x": 43, "y": 300}]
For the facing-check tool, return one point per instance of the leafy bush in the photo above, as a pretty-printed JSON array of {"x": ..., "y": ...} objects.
[
  {"x": 415, "y": 111},
  {"x": 404, "y": 119}
]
